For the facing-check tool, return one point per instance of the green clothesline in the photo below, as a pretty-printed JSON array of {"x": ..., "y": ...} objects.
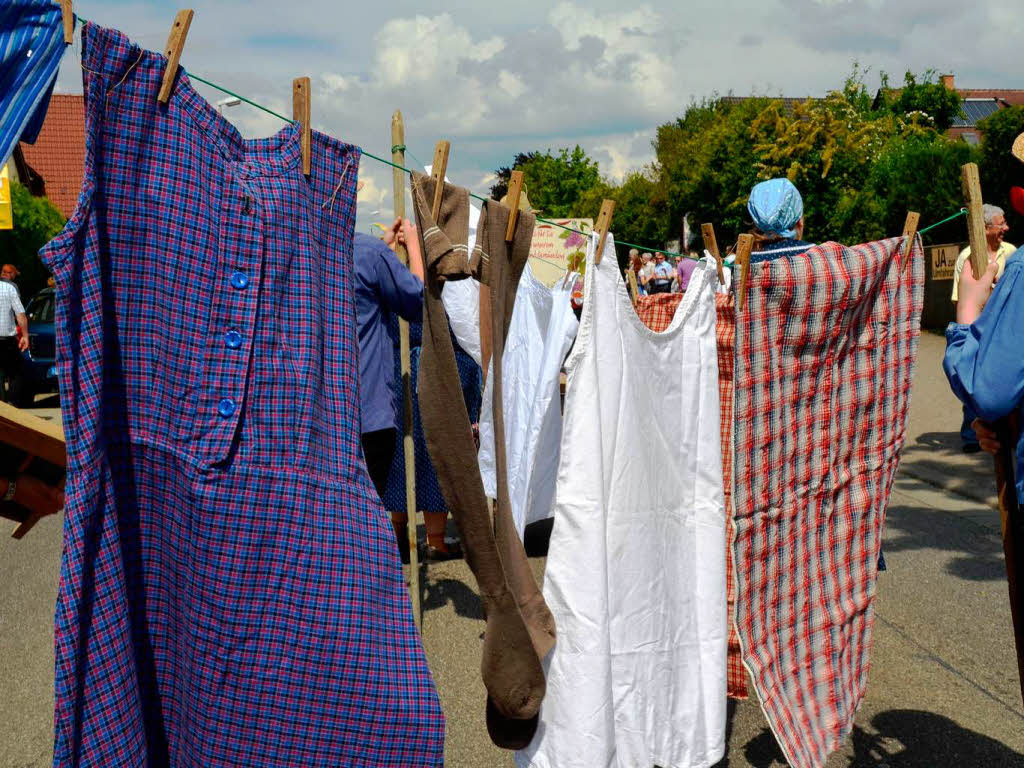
[{"x": 239, "y": 96}]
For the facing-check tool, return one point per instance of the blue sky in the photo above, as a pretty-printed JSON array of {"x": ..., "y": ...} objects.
[{"x": 496, "y": 79}]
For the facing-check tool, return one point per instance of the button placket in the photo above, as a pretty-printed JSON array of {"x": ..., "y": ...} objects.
[{"x": 234, "y": 314}]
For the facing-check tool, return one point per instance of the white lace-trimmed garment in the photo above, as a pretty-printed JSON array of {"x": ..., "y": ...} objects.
[
  {"x": 635, "y": 574},
  {"x": 541, "y": 333}
]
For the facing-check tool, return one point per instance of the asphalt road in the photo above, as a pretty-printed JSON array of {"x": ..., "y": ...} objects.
[{"x": 943, "y": 688}]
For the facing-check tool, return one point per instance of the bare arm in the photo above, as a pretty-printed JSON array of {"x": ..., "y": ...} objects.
[{"x": 22, "y": 319}]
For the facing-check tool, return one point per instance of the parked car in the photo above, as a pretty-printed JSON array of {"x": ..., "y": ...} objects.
[{"x": 41, "y": 355}]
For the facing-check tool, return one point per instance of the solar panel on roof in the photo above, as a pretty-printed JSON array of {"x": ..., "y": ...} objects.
[{"x": 976, "y": 110}]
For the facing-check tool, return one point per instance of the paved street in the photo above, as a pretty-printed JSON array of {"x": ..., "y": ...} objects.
[{"x": 943, "y": 687}]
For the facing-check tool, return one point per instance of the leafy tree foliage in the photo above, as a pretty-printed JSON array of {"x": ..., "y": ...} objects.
[
  {"x": 36, "y": 222},
  {"x": 861, "y": 162},
  {"x": 923, "y": 96},
  {"x": 1000, "y": 170}
]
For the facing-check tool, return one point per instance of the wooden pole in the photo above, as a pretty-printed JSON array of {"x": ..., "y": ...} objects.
[
  {"x": 707, "y": 231},
  {"x": 634, "y": 291},
  {"x": 1013, "y": 533},
  {"x": 398, "y": 182},
  {"x": 975, "y": 218}
]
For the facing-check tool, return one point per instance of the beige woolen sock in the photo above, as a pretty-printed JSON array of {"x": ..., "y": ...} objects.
[{"x": 510, "y": 664}]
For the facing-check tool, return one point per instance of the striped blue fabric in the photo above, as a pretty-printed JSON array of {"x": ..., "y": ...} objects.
[{"x": 31, "y": 47}]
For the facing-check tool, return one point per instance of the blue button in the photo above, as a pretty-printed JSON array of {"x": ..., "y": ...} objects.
[
  {"x": 233, "y": 339},
  {"x": 226, "y": 407},
  {"x": 239, "y": 280}
]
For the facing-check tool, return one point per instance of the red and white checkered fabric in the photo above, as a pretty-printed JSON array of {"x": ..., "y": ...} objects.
[
  {"x": 656, "y": 313},
  {"x": 657, "y": 310},
  {"x": 825, "y": 351}
]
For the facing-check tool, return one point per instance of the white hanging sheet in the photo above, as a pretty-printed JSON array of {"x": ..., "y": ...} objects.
[
  {"x": 540, "y": 335},
  {"x": 635, "y": 574}
]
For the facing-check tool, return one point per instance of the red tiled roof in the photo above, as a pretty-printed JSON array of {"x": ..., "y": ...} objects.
[
  {"x": 59, "y": 153},
  {"x": 1012, "y": 96}
]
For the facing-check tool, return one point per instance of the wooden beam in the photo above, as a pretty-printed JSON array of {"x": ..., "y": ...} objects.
[
  {"x": 975, "y": 218},
  {"x": 175, "y": 45},
  {"x": 909, "y": 233},
  {"x": 515, "y": 190},
  {"x": 604, "y": 223},
  {"x": 707, "y": 231},
  {"x": 405, "y": 361},
  {"x": 742, "y": 269},
  {"x": 301, "y": 113},
  {"x": 68, "y": 17},
  {"x": 33, "y": 435},
  {"x": 437, "y": 172}
]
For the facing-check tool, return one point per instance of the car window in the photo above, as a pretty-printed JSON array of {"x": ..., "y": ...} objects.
[{"x": 40, "y": 310}]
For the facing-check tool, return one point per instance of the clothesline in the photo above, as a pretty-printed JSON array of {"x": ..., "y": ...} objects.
[{"x": 278, "y": 115}]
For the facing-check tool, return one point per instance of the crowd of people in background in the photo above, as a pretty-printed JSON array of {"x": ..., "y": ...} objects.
[{"x": 658, "y": 273}]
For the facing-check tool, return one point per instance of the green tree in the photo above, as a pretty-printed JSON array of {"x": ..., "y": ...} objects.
[
  {"x": 555, "y": 182},
  {"x": 504, "y": 174},
  {"x": 36, "y": 222},
  {"x": 924, "y": 95},
  {"x": 999, "y": 169}
]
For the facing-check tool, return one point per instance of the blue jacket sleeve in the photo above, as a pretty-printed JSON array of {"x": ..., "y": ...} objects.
[
  {"x": 399, "y": 289},
  {"x": 984, "y": 362}
]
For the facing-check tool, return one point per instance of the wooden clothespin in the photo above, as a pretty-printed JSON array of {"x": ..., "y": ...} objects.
[
  {"x": 515, "y": 191},
  {"x": 604, "y": 223},
  {"x": 909, "y": 233},
  {"x": 744, "y": 245},
  {"x": 975, "y": 218},
  {"x": 707, "y": 231},
  {"x": 634, "y": 291},
  {"x": 301, "y": 115},
  {"x": 175, "y": 45},
  {"x": 437, "y": 172},
  {"x": 69, "y": 21}
]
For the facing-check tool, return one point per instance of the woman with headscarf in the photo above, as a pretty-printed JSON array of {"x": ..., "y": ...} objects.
[{"x": 777, "y": 210}]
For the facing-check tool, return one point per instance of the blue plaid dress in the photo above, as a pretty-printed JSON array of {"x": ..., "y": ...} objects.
[{"x": 230, "y": 592}]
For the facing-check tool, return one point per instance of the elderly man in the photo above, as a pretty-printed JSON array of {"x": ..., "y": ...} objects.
[
  {"x": 777, "y": 210},
  {"x": 998, "y": 251}
]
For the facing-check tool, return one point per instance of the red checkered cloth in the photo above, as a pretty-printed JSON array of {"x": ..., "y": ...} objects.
[
  {"x": 824, "y": 361},
  {"x": 725, "y": 339},
  {"x": 656, "y": 313},
  {"x": 657, "y": 310}
]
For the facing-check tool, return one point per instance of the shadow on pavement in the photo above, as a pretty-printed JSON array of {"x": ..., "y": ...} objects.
[
  {"x": 936, "y": 457},
  {"x": 979, "y": 553},
  {"x": 927, "y": 740},
  {"x": 438, "y": 594},
  {"x": 905, "y": 738}
]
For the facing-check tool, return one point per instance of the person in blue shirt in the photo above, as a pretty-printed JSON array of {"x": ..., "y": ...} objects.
[
  {"x": 383, "y": 287},
  {"x": 983, "y": 360},
  {"x": 777, "y": 210},
  {"x": 664, "y": 272}
]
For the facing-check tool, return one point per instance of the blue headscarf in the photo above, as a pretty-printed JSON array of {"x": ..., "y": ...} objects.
[{"x": 776, "y": 206}]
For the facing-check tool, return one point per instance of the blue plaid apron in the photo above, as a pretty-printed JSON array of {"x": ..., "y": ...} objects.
[{"x": 230, "y": 592}]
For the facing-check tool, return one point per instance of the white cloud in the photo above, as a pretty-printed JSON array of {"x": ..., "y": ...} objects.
[{"x": 502, "y": 79}]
